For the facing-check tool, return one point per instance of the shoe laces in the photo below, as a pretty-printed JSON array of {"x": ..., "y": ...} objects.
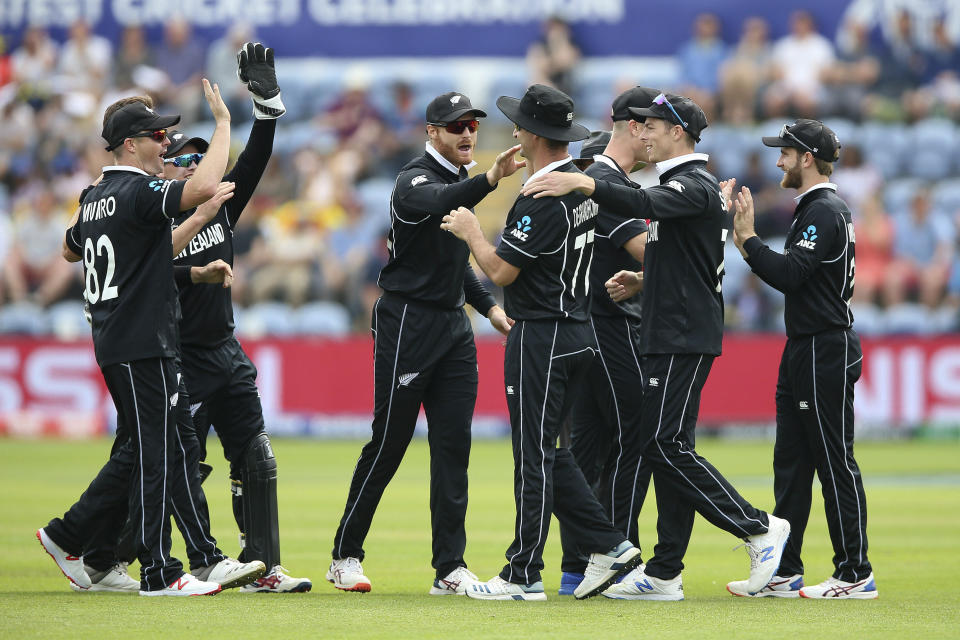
[
  {"x": 351, "y": 564},
  {"x": 753, "y": 551},
  {"x": 461, "y": 574}
]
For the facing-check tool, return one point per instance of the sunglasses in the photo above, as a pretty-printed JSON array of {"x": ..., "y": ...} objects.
[
  {"x": 185, "y": 160},
  {"x": 662, "y": 100},
  {"x": 156, "y": 136},
  {"x": 786, "y": 135},
  {"x": 458, "y": 126}
]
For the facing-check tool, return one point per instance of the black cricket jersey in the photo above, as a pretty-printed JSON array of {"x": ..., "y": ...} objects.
[
  {"x": 123, "y": 237},
  {"x": 614, "y": 228},
  {"x": 816, "y": 269},
  {"x": 683, "y": 259},
  {"x": 208, "y": 308},
  {"x": 551, "y": 241},
  {"x": 427, "y": 264}
]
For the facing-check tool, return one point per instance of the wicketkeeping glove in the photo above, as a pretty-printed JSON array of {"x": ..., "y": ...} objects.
[{"x": 255, "y": 69}]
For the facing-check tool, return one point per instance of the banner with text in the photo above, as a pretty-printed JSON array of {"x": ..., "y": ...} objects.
[{"x": 319, "y": 387}]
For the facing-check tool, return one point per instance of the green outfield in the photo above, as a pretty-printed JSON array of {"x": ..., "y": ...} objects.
[{"x": 913, "y": 489}]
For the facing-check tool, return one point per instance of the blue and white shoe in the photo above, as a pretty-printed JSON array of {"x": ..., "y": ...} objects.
[
  {"x": 765, "y": 551},
  {"x": 604, "y": 569},
  {"x": 833, "y": 589},
  {"x": 778, "y": 587},
  {"x": 497, "y": 588},
  {"x": 637, "y": 585},
  {"x": 569, "y": 582}
]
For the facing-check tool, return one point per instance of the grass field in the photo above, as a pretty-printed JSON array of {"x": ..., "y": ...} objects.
[{"x": 913, "y": 491}]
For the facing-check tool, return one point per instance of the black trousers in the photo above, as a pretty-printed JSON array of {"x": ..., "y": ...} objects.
[
  {"x": 605, "y": 432},
  {"x": 423, "y": 356},
  {"x": 544, "y": 367},
  {"x": 93, "y": 524},
  {"x": 685, "y": 482},
  {"x": 815, "y": 433}
]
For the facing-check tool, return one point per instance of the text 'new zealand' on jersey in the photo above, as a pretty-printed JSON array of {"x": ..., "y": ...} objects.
[
  {"x": 817, "y": 268},
  {"x": 683, "y": 259},
  {"x": 551, "y": 241},
  {"x": 123, "y": 236},
  {"x": 614, "y": 228},
  {"x": 427, "y": 264}
]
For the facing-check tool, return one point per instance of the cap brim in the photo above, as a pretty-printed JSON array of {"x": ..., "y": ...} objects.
[
  {"x": 456, "y": 115},
  {"x": 511, "y": 108},
  {"x": 641, "y": 113},
  {"x": 175, "y": 148},
  {"x": 161, "y": 122},
  {"x": 777, "y": 141}
]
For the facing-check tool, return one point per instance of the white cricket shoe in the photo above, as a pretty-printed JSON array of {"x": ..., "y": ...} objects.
[
  {"x": 186, "y": 585},
  {"x": 71, "y": 566},
  {"x": 230, "y": 573},
  {"x": 455, "y": 584},
  {"x": 114, "y": 579},
  {"x": 346, "y": 574},
  {"x": 277, "y": 581},
  {"x": 778, "y": 587},
  {"x": 765, "y": 551},
  {"x": 604, "y": 568},
  {"x": 833, "y": 589},
  {"x": 496, "y": 588},
  {"x": 637, "y": 585}
]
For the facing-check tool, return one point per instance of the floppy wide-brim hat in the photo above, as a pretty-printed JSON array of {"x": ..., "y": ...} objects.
[{"x": 544, "y": 111}]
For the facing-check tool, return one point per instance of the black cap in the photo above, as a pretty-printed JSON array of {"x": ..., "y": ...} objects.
[
  {"x": 451, "y": 106},
  {"x": 133, "y": 118},
  {"x": 544, "y": 111},
  {"x": 808, "y": 135},
  {"x": 688, "y": 114},
  {"x": 178, "y": 140},
  {"x": 635, "y": 97},
  {"x": 593, "y": 145}
]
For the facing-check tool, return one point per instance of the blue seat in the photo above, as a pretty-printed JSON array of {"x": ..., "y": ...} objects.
[
  {"x": 897, "y": 194},
  {"x": 946, "y": 196},
  {"x": 267, "y": 319},
  {"x": 322, "y": 318},
  {"x": 24, "y": 318}
]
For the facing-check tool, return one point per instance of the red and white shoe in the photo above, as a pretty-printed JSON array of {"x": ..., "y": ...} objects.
[
  {"x": 277, "y": 581},
  {"x": 71, "y": 566},
  {"x": 186, "y": 585},
  {"x": 346, "y": 574}
]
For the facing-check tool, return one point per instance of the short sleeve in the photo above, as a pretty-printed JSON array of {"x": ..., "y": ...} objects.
[
  {"x": 533, "y": 228},
  {"x": 158, "y": 198}
]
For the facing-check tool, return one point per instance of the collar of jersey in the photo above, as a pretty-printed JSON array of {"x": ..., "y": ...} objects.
[
  {"x": 819, "y": 185},
  {"x": 607, "y": 160},
  {"x": 446, "y": 163},
  {"x": 672, "y": 163},
  {"x": 125, "y": 167},
  {"x": 550, "y": 167}
]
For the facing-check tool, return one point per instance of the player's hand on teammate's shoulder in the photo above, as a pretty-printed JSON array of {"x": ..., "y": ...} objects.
[
  {"x": 558, "y": 183},
  {"x": 624, "y": 284},
  {"x": 499, "y": 319},
  {"x": 214, "y": 272},
  {"x": 217, "y": 106},
  {"x": 505, "y": 165},
  {"x": 460, "y": 222}
]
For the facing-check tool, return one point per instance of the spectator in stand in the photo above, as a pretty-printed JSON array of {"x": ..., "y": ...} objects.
[
  {"x": 292, "y": 243},
  {"x": 922, "y": 249},
  {"x": 250, "y": 248},
  {"x": 6, "y": 69},
  {"x": 221, "y": 66},
  {"x": 853, "y": 76},
  {"x": 874, "y": 232},
  {"x": 901, "y": 70},
  {"x": 85, "y": 60},
  {"x": 700, "y": 60},
  {"x": 858, "y": 180},
  {"x": 33, "y": 270},
  {"x": 355, "y": 122},
  {"x": 404, "y": 124},
  {"x": 133, "y": 53},
  {"x": 34, "y": 64},
  {"x": 552, "y": 58},
  {"x": 746, "y": 72},
  {"x": 799, "y": 60},
  {"x": 940, "y": 93},
  {"x": 181, "y": 57}
]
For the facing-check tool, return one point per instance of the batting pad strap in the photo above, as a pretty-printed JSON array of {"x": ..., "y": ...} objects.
[{"x": 268, "y": 108}]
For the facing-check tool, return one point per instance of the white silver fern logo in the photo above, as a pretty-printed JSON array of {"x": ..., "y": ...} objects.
[
  {"x": 455, "y": 99},
  {"x": 406, "y": 379}
]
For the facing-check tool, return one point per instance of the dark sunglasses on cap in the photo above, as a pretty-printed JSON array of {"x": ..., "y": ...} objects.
[
  {"x": 156, "y": 136},
  {"x": 662, "y": 100},
  {"x": 456, "y": 127},
  {"x": 184, "y": 160},
  {"x": 785, "y": 134}
]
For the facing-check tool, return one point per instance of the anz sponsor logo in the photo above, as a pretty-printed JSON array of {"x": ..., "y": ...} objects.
[
  {"x": 809, "y": 240},
  {"x": 523, "y": 226}
]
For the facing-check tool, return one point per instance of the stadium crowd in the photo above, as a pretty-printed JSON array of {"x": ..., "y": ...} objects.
[{"x": 311, "y": 245}]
